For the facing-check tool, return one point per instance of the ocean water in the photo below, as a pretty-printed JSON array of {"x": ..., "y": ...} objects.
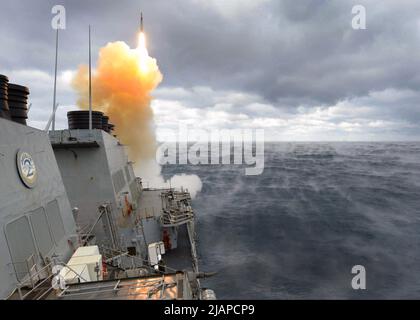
[{"x": 318, "y": 209}]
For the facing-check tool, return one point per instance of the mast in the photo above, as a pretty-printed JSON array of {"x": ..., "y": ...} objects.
[
  {"x": 55, "y": 80},
  {"x": 90, "y": 86}
]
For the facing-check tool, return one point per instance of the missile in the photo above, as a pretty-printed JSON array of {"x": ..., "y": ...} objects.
[{"x": 141, "y": 21}]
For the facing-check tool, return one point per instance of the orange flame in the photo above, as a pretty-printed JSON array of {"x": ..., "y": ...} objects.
[{"x": 121, "y": 87}]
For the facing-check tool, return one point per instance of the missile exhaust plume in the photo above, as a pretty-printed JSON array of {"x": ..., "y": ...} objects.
[{"x": 122, "y": 86}]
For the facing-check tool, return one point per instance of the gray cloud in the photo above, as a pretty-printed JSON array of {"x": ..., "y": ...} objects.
[{"x": 286, "y": 54}]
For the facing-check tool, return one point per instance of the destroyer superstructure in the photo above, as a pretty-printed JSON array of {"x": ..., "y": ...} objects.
[
  {"x": 75, "y": 189},
  {"x": 100, "y": 182},
  {"x": 36, "y": 222}
]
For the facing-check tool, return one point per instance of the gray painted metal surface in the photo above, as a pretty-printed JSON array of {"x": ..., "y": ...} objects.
[
  {"x": 34, "y": 221},
  {"x": 90, "y": 171},
  {"x": 96, "y": 170}
]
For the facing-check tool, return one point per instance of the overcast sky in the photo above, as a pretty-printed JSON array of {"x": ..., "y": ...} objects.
[{"x": 295, "y": 68}]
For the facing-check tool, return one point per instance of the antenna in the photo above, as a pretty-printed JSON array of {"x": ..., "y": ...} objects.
[
  {"x": 55, "y": 81},
  {"x": 90, "y": 86},
  {"x": 47, "y": 127}
]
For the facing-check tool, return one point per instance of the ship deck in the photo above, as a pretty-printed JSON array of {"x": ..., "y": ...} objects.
[
  {"x": 160, "y": 287},
  {"x": 180, "y": 258},
  {"x": 150, "y": 206}
]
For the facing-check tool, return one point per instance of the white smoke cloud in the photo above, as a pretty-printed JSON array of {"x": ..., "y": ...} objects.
[{"x": 150, "y": 172}]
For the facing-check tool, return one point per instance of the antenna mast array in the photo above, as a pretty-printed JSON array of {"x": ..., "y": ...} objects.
[
  {"x": 90, "y": 86},
  {"x": 55, "y": 81}
]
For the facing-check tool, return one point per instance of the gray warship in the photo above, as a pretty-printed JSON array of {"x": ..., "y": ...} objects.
[{"x": 76, "y": 223}]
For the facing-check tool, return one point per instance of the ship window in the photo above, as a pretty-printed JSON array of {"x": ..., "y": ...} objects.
[
  {"x": 41, "y": 231},
  {"x": 55, "y": 220},
  {"x": 21, "y": 244}
]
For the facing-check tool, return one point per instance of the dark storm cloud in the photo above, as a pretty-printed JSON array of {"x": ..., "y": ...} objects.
[
  {"x": 301, "y": 51},
  {"x": 286, "y": 53}
]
